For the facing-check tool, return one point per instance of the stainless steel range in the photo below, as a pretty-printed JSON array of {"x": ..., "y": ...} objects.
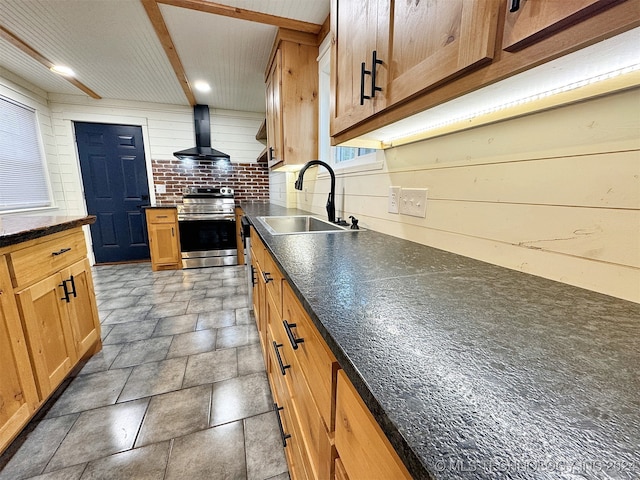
[{"x": 207, "y": 227}]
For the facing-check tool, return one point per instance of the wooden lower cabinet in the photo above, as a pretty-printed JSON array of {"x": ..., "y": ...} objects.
[
  {"x": 164, "y": 239},
  {"x": 48, "y": 331},
  {"x": 82, "y": 308},
  {"x": 48, "y": 323},
  {"x": 239, "y": 241},
  {"x": 328, "y": 432},
  {"x": 18, "y": 395},
  {"x": 364, "y": 450}
]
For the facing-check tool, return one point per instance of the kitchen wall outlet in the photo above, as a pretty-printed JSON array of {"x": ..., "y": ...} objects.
[
  {"x": 160, "y": 188},
  {"x": 394, "y": 198},
  {"x": 413, "y": 201}
]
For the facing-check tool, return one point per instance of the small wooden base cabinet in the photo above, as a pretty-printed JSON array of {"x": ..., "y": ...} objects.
[
  {"x": 48, "y": 322},
  {"x": 327, "y": 431},
  {"x": 164, "y": 239}
]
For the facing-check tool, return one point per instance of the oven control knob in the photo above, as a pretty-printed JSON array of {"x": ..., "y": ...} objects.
[{"x": 226, "y": 191}]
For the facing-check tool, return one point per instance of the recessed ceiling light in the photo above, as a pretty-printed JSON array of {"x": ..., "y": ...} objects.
[
  {"x": 62, "y": 70},
  {"x": 202, "y": 86}
]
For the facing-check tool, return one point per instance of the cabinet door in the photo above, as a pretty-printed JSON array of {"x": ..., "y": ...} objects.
[
  {"x": 163, "y": 243},
  {"x": 83, "y": 313},
  {"x": 536, "y": 19},
  {"x": 354, "y": 29},
  {"x": 274, "y": 120},
  {"x": 18, "y": 395},
  {"x": 48, "y": 332},
  {"x": 363, "y": 449},
  {"x": 259, "y": 303},
  {"x": 431, "y": 41}
]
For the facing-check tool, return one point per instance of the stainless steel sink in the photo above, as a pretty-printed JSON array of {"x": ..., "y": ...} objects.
[{"x": 290, "y": 224}]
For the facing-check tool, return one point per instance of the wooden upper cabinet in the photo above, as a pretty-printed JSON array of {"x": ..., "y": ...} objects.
[
  {"x": 434, "y": 41},
  {"x": 292, "y": 100},
  {"x": 533, "y": 20},
  {"x": 407, "y": 47},
  {"x": 274, "y": 123},
  {"x": 354, "y": 28}
]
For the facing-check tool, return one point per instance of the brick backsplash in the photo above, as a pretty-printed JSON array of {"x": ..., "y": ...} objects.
[{"x": 250, "y": 181}]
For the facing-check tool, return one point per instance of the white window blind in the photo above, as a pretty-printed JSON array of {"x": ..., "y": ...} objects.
[{"x": 23, "y": 180}]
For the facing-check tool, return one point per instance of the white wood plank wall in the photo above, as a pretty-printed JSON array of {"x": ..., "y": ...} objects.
[
  {"x": 555, "y": 194},
  {"x": 166, "y": 129}
]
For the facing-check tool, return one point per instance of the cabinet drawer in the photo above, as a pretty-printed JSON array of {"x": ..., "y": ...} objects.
[
  {"x": 312, "y": 430},
  {"x": 257, "y": 247},
  {"x": 41, "y": 260},
  {"x": 287, "y": 417},
  {"x": 161, "y": 215},
  {"x": 316, "y": 361},
  {"x": 274, "y": 281},
  {"x": 363, "y": 448}
]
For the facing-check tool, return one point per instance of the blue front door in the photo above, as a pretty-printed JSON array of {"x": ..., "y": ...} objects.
[{"x": 115, "y": 182}]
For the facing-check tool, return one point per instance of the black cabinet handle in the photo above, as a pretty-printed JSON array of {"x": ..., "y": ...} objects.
[
  {"x": 266, "y": 277},
  {"x": 73, "y": 286},
  {"x": 61, "y": 251},
  {"x": 292, "y": 339},
  {"x": 253, "y": 276},
  {"x": 375, "y": 61},
  {"x": 270, "y": 154},
  {"x": 283, "y": 435},
  {"x": 363, "y": 72},
  {"x": 515, "y": 6},
  {"x": 283, "y": 367},
  {"x": 66, "y": 291}
]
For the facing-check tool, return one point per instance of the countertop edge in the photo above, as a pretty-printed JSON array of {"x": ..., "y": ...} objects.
[
  {"x": 411, "y": 460},
  {"x": 41, "y": 226}
]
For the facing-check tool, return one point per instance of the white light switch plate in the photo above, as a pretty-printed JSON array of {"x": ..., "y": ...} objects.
[
  {"x": 160, "y": 188},
  {"x": 413, "y": 201},
  {"x": 394, "y": 199}
]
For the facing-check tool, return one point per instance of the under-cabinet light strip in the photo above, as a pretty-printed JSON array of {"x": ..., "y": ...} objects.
[{"x": 514, "y": 103}]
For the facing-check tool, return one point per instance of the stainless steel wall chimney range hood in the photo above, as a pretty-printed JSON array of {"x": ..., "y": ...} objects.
[{"x": 202, "y": 150}]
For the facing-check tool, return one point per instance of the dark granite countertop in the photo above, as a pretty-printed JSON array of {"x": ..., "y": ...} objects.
[
  {"x": 17, "y": 229},
  {"x": 472, "y": 370},
  {"x": 160, "y": 205}
]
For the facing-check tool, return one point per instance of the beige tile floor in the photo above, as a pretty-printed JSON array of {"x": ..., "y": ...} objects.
[{"x": 179, "y": 390}]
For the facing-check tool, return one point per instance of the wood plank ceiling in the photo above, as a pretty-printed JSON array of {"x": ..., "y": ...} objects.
[{"x": 150, "y": 50}]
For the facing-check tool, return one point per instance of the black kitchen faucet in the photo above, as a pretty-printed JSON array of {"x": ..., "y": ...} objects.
[{"x": 331, "y": 206}]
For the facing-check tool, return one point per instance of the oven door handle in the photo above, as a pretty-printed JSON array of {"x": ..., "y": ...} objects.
[{"x": 206, "y": 217}]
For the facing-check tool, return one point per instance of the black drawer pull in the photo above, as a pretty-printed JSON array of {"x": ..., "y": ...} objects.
[
  {"x": 292, "y": 339},
  {"x": 61, "y": 251},
  {"x": 283, "y": 435},
  {"x": 267, "y": 277},
  {"x": 283, "y": 367},
  {"x": 253, "y": 276},
  {"x": 374, "y": 64},
  {"x": 515, "y": 6}
]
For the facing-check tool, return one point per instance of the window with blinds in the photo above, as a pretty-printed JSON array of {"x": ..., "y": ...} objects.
[{"x": 23, "y": 177}]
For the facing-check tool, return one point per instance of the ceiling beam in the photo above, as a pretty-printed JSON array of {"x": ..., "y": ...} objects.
[
  {"x": 37, "y": 56},
  {"x": 155, "y": 16},
  {"x": 241, "y": 14}
]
